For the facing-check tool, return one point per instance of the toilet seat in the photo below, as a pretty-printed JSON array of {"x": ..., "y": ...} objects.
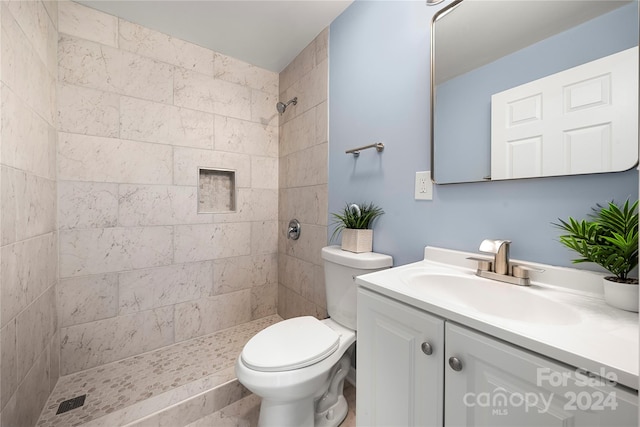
[{"x": 291, "y": 344}]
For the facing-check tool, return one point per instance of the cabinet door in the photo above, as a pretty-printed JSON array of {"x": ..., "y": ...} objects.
[
  {"x": 502, "y": 385},
  {"x": 398, "y": 383}
]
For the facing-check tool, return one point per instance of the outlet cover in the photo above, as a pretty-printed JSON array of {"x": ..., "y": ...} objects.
[{"x": 424, "y": 186}]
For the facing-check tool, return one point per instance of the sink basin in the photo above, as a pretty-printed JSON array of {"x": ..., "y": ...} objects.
[{"x": 491, "y": 297}]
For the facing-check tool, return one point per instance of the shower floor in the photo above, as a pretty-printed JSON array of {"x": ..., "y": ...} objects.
[{"x": 173, "y": 385}]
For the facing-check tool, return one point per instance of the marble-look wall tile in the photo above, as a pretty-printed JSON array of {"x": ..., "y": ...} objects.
[
  {"x": 241, "y": 136},
  {"x": 211, "y": 241},
  {"x": 153, "y": 122},
  {"x": 35, "y": 327},
  {"x": 147, "y": 42},
  {"x": 8, "y": 362},
  {"x": 322, "y": 123},
  {"x": 304, "y": 168},
  {"x": 28, "y": 205},
  {"x": 92, "y": 158},
  {"x": 308, "y": 204},
  {"x": 92, "y": 65},
  {"x": 204, "y": 93},
  {"x": 54, "y": 366},
  {"x": 264, "y": 237},
  {"x": 157, "y": 287},
  {"x": 88, "y": 111},
  {"x": 87, "y": 205},
  {"x": 264, "y": 300},
  {"x": 236, "y": 71},
  {"x": 307, "y": 249},
  {"x": 103, "y": 250},
  {"x": 96, "y": 343},
  {"x": 208, "y": 315},
  {"x": 186, "y": 162},
  {"x": 37, "y": 88},
  {"x": 237, "y": 273},
  {"x": 87, "y": 298},
  {"x": 263, "y": 108},
  {"x": 301, "y": 65},
  {"x": 264, "y": 172},
  {"x": 311, "y": 90},
  {"x": 84, "y": 22},
  {"x": 298, "y": 134},
  {"x": 38, "y": 29},
  {"x": 159, "y": 205},
  {"x": 27, "y": 269},
  {"x": 252, "y": 205},
  {"x": 28, "y": 141},
  {"x": 23, "y": 408}
]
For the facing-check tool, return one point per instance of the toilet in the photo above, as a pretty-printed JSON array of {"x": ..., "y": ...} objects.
[{"x": 298, "y": 366}]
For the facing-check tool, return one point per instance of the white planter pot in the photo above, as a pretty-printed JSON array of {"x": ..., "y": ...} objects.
[
  {"x": 357, "y": 240},
  {"x": 621, "y": 295}
]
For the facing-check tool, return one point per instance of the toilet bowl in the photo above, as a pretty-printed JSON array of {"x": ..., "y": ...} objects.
[{"x": 298, "y": 366}]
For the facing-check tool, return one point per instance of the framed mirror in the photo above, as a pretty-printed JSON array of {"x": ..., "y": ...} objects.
[{"x": 509, "y": 78}]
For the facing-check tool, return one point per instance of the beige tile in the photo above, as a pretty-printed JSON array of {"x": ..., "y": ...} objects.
[
  {"x": 308, "y": 204},
  {"x": 87, "y": 298},
  {"x": 91, "y": 344},
  {"x": 310, "y": 244},
  {"x": 88, "y": 111},
  {"x": 87, "y": 205},
  {"x": 264, "y": 300},
  {"x": 98, "y": 159},
  {"x": 305, "y": 168},
  {"x": 8, "y": 362},
  {"x": 37, "y": 87},
  {"x": 154, "y": 122},
  {"x": 299, "y": 133},
  {"x": 103, "y": 250},
  {"x": 157, "y": 287},
  {"x": 208, "y": 315},
  {"x": 264, "y": 172},
  {"x": 241, "y": 136},
  {"x": 210, "y": 241},
  {"x": 35, "y": 327},
  {"x": 28, "y": 205},
  {"x": 28, "y": 141},
  {"x": 147, "y": 42},
  {"x": 322, "y": 46},
  {"x": 322, "y": 123},
  {"x": 204, "y": 93},
  {"x": 237, "y": 71},
  {"x": 263, "y": 109},
  {"x": 244, "y": 272},
  {"x": 300, "y": 66},
  {"x": 252, "y": 205},
  {"x": 27, "y": 269},
  {"x": 264, "y": 237},
  {"x": 83, "y": 22},
  {"x": 143, "y": 205},
  {"x": 311, "y": 90},
  {"x": 187, "y": 162},
  {"x": 88, "y": 64},
  {"x": 54, "y": 366}
]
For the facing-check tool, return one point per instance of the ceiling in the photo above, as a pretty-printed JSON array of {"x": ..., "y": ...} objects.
[{"x": 266, "y": 33}]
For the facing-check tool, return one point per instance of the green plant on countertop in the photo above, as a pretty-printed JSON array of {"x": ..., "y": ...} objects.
[
  {"x": 359, "y": 217},
  {"x": 609, "y": 238}
]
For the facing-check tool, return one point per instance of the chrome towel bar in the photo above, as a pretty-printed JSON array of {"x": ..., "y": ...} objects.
[{"x": 379, "y": 146}]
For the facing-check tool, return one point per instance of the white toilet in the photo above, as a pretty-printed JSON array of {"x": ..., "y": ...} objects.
[{"x": 298, "y": 366}]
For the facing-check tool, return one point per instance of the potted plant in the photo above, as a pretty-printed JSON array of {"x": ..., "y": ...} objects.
[
  {"x": 354, "y": 222},
  {"x": 610, "y": 239}
]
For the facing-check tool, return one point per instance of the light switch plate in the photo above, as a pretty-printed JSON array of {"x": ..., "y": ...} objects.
[{"x": 424, "y": 186}]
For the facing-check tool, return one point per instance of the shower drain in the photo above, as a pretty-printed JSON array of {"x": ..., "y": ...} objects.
[{"x": 70, "y": 404}]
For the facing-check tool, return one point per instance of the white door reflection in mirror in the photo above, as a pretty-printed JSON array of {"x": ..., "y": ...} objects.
[{"x": 582, "y": 120}]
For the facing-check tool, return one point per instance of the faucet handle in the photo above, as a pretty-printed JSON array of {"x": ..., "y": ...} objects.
[
  {"x": 523, "y": 272},
  {"x": 492, "y": 246},
  {"x": 483, "y": 263}
]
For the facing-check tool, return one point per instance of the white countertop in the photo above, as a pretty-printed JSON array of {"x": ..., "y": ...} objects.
[{"x": 599, "y": 338}]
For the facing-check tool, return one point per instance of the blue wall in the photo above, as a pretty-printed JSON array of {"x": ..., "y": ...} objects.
[
  {"x": 463, "y": 96},
  {"x": 379, "y": 91}
]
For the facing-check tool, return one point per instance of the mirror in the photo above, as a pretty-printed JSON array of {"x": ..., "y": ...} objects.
[{"x": 482, "y": 48}]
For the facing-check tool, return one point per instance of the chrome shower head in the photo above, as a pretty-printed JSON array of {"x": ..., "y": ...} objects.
[{"x": 281, "y": 106}]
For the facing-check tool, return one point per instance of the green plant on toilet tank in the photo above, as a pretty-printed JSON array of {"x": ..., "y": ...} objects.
[
  {"x": 355, "y": 224},
  {"x": 609, "y": 238}
]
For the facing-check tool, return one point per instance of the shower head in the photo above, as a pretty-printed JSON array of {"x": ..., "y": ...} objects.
[{"x": 281, "y": 106}]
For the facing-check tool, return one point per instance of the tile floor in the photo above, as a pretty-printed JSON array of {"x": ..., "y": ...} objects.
[{"x": 141, "y": 385}]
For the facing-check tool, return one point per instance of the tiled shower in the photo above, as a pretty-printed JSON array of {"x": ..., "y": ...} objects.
[{"x": 105, "y": 126}]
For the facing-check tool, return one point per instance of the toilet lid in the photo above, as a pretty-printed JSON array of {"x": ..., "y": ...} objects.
[{"x": 290, "y": 344}]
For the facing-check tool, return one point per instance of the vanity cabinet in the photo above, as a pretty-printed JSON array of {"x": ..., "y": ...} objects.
[{"x": 469, "y": 378}]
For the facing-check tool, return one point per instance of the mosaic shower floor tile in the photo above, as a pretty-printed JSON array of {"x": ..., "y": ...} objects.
[{"x": 118, "y": 393}]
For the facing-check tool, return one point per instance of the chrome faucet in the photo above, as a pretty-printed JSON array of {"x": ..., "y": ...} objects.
[{"x": 500, "y": 269}]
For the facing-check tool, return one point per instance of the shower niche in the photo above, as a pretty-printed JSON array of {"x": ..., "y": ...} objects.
[{"x": 216, "y": 190}]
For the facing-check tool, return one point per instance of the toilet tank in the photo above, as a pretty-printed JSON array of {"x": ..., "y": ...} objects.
[{"x": 340, "y": 271}]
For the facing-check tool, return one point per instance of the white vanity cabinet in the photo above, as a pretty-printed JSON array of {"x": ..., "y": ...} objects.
[
  {"x": 469, "y": 378},
  {"x": 400, "y": 354}
]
